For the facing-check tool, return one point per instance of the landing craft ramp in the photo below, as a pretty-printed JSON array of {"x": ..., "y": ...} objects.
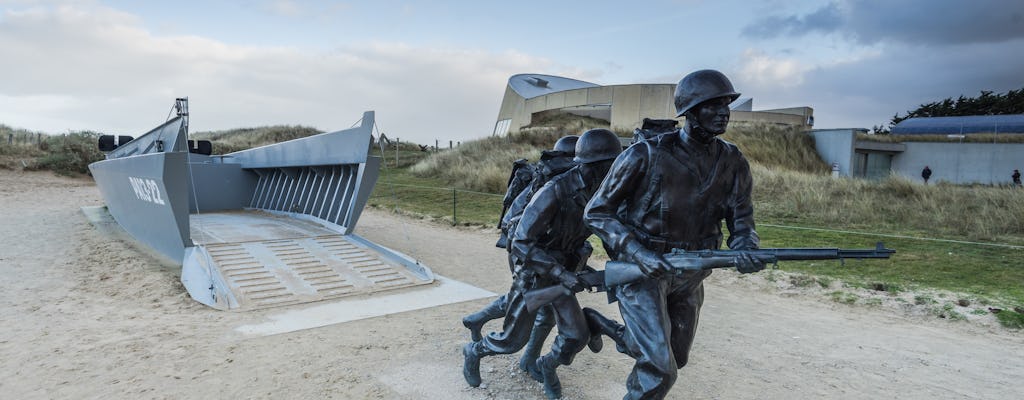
[
  {"x": 263, "y": 227},
  {"x": 269, "y": 260}
]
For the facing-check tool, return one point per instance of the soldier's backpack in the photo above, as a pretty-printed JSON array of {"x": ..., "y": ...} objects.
[{"x": 653, "y": 127}]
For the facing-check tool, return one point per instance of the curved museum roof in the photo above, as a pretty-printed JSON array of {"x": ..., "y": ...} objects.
[{"x": 533, "y": 85}]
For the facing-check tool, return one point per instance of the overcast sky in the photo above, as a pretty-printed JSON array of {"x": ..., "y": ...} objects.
[{"x": 438, "y": 69}]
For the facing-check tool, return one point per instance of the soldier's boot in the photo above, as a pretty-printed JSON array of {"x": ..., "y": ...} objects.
[
  {"x": 475, "y": 321},
  {"x": 471, "y": 364},
  {"x": 599, "y": 325},
  {"x": 528, "y": 362},
  {"x": 548, "y": 366}
]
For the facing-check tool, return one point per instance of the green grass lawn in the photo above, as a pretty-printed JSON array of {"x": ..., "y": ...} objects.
[
  {"x": 398, "y": 188},
  {"x": 991, "y": 274}
]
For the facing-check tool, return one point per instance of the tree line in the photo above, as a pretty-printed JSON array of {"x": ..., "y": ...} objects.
[{"x": 988, "y": 103}]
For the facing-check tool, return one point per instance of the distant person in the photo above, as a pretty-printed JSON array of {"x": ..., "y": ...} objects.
[
  {"x": 1016, "y": 177},
  {"x": 926, "y": 173}
]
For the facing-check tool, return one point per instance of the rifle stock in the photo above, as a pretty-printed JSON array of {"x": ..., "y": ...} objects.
[{"x": 619, "y": 273}]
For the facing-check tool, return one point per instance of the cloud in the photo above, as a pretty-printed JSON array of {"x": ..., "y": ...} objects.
[
  {"x": 89, "y": 67},
  {"x": 895, "y": 55},
  {"x": 825, "y": 19},
  {"x": 757, "y": 67},
  {"x": 869, "y": 89},
  {"x": 287, "y": 8},
  {"x": 917, "y": 22}
]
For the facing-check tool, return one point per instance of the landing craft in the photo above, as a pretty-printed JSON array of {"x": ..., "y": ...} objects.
[{"x": 257, "y": 228}]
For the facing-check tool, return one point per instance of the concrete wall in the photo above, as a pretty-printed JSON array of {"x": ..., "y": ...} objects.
[
  {"x": 960, "y": 162},
  {"x": 836, "y": 146},
  {"x": 770, "y": 117}
]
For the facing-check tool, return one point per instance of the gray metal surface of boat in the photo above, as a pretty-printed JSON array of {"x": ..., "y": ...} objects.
[{"x": 257, "y": 228}]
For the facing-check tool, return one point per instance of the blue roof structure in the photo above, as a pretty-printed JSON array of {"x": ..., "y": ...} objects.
[{"x": 1013, "y": 123}]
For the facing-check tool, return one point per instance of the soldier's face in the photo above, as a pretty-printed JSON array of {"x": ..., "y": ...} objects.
[{"x": 713, "y": 115}]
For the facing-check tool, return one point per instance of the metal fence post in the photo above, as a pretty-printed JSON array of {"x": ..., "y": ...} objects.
[{"x": 455, "y": 217}]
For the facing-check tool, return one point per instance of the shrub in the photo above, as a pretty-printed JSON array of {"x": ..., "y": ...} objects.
[{"x": 70, "y": 154}]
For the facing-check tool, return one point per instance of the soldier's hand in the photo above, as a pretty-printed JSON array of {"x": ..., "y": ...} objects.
[
  {"x": 746, "y": 263},
  {"x": 569, "y": 280},
  {"x": 652, "y": 264}
]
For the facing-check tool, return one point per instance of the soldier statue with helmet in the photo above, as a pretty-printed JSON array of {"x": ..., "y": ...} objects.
[
  {"x": 672, "y": 192},
  {"x": 546, "y": 249},
  {"x": 524, "y": 181}
]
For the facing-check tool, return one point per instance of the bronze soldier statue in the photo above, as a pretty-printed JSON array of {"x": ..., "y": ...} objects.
[
  {"x": 521, "y": 189},
  {"x": 672, "y": 191},
  {"x": 546, "y": 250}
]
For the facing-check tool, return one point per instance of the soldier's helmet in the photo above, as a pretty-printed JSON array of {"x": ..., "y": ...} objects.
[
  {"x": 566, "y": 144},
  {"x": 597, "y": 145},
  {"x": 701, "y": 86}
]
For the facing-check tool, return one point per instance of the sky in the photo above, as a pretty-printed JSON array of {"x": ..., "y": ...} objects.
[{"x": 437, "y": 70}]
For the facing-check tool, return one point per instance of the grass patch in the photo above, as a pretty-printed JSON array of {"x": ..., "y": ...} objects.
[
  {"x": 801, "y": 280},
  {"x": 843, "y": 297},
  {"x": 398, "y": 189},
  {"x": 67, "y": 154},
  {"x": 923, "y": 299},
  {"x": 983, "y": 272},
  {"x": 948, "y": 311},
  {"x": 1011, "y": 319}
]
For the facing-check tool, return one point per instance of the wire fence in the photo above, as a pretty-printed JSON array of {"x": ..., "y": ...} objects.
[
  {"x": 463, "y": 206},
  {"x": 22, "y": 138}
]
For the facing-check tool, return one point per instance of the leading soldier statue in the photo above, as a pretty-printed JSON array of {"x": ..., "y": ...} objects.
[{"x": 672, "y": 191}]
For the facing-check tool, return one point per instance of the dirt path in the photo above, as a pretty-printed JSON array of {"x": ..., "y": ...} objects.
[{"x": 84, "y": 316}]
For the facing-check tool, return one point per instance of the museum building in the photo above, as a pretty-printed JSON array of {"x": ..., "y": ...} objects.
[{"x": 530, "y": 96}]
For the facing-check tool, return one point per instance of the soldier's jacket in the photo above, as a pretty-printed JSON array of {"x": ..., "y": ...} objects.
[
  {"x": 551, "y": 233},
  {"x": 674, "y": 191},
  {"x": 519, "y": 179},
  {"x": 551, "y": 164}
]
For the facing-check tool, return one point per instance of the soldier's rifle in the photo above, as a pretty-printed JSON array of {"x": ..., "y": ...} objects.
[{"x": 617, "y": 273}]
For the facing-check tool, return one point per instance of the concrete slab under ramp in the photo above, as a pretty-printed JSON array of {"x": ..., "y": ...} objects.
[
  {"x": 444, "y": 291},
  {"x": 260, "y": 260}
]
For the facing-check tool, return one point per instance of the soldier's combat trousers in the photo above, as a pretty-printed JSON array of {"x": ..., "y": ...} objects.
[
  {"x": 519, "y": 322},
  {"x": 660, "y": 316}
]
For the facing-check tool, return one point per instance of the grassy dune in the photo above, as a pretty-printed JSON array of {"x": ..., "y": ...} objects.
[
  {"x": 232, "y": 140},
  {"x": 66, "y": 154}
]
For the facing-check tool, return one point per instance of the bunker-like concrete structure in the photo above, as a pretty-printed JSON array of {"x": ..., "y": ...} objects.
[{"x": 953, "y": 161}]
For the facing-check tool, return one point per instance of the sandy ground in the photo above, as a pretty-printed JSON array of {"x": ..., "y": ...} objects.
[{"x": 87, "y": 316}]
